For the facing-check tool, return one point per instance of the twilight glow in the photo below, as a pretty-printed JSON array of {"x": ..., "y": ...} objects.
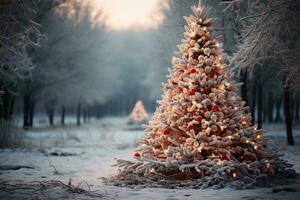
[{"x": 131, "y": 14}]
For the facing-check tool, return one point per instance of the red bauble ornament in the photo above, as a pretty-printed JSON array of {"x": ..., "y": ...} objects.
[
  {"x": 193, "y": 71},
  {"x": 214, "y": 108},
  {"x": 198, "y": 119},
  {"x": 165, "y": 143},
  {"x": 136, "y": 154},
  {"x": 249, "y": 156},
  {"x": 214, "y": 73},
  {"x": 166, "y": 132},
  {"x": 190, "y": 127},
  {"x": 174, "y": 82},
  {"x": 192, "y": 91},
  {"x": 180, "y": 89}
]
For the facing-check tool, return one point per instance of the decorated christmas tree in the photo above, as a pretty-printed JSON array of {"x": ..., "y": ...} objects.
[
  {"x": 139, "y": 113},
  {"x": 201, "y": 133}
]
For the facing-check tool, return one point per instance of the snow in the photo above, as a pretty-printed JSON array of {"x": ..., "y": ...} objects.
[{"x": 87, "y": 153}]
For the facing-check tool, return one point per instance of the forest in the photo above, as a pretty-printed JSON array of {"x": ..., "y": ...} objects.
[{"x": 64, "y": 69}]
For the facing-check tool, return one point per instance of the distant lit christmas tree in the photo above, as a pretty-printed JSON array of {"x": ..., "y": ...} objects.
[
  {"x": 139, "y": 113},
  {"x": 200, "y": 134}
]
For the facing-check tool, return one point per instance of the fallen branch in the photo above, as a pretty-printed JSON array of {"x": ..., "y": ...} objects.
[
  {"x": 14, "y": 167},
  {"x": 44, "y": 187}
]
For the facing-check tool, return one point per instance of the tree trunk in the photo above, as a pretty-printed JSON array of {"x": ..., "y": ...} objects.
[
  {"x": 50, "y": 112},
  {"x": 253, "y": 100},
  {"x": 78, "y": 114},
  {"x": 31, "y": 114},
  {"x": 259, "y": 103},
  {"x": 11, "y": 107},
  {"x": 288, "y": 116},
  {"x": 26, "y": 111},
  {"x": 63, "y": 115},
  {"x": 243, "y": 78},
  {"x": 6, "y": 105},
  {"x": 278, "y": 108},
  {"x": 51, "y": 116},
  {"x": 270, "y": 107},
  {"x": 296, "y": 109}
]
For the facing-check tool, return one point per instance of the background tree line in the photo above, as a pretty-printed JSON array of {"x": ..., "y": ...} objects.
[{"x": 57, "y": 59}]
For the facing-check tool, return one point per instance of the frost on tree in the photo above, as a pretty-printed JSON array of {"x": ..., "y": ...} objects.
[
  {"x": 139, "y": 113},
  {"x": 200, "y": 134}
]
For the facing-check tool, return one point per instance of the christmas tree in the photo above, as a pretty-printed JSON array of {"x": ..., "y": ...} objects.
[
  {"x": 138, "y": 113},
  {"x": 200, "y": 134}
]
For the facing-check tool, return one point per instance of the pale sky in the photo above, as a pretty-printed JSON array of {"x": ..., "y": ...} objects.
[{"x": 131, "y": 14}]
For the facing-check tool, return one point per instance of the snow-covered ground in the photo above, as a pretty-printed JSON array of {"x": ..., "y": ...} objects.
[{"x": 87, "y": 153}]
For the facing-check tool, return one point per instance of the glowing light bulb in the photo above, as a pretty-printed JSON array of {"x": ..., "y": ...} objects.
[
  {"x": 193, "y": 34},
  {"x": 258, "y": 136},
  {"x": 244, "y": 123},
  {"x": 234, "y": 174},
  {"x": 255, "y": 127},
  {"x": 255, "y": 147},
  {"x": 247, "y": 141},
  {"x": 222, "y": 87}
]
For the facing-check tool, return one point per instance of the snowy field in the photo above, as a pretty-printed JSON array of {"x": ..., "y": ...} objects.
[{"x": 81, "y": 156}]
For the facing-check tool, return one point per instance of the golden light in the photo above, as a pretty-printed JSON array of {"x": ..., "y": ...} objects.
[
  {"x": 193, "y": 34},
  {"x": 258, "y": 136},
  {"x": 222, "y": 87},
  {"x": 131, "y": 14},
  {"x": 244, "y": 122}
]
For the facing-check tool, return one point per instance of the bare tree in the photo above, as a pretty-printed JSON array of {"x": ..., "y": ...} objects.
[{"x": 272, "y": 34}]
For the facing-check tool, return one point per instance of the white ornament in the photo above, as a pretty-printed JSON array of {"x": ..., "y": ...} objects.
[
  {"x": 214, "y": 117},
  {"x": 220, "y": 115},
  {"x": 212, "y": 94},
  {"x": 192, "y": 42},
  {"x": 203, "y": 83},
  {"x": 201, "y": 60},
  {"x": 207, "y": 114},
  {"x": 208, "y": 61},
  {"x": 243, "y": 139},
  {"x": 214, "y": 128},
  {"x": 210, "y": 83},
  {"x": 207, "y": 69},
  {"x": 189, "y": 141},
  {"x": 206, "y": 51},
  {"x": 206, "y": 102}
]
